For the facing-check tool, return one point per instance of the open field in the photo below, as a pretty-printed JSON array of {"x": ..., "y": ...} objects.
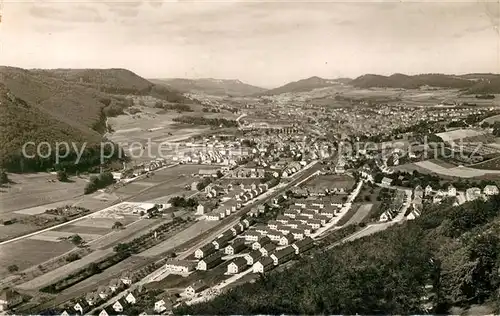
[
  {"x": 361, "y": 213},
  {"x": 29, "y": 252},
  {"x": 460, "y": 172},
  {"x": 30, "y": 190},
  {"x": 60, "y": 272},
  {"x": 331, "y": 181},
  {"x": 460, "y": 134},
  {"x": 153, "y": 127}
]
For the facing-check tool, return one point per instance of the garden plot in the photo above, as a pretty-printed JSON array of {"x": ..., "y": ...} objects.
[{"x": 41, "y": 209}]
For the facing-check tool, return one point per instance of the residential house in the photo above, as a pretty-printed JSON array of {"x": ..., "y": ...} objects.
[
  {"x": 490, "y": 190},
  {"x": 115, "y": 285},
  {"x": 238, "y": 265},
  {"x": 81, "y": 306},
  {"x": 204, "y": 251},
  {"x": 222, "y": 241},
  {"x": 330, "y": 213},
  {"x": 237, "y": 246},
  {"x": 303, "y": 245},
  {"x": 104, "y": 313},
  {"x": 274, "y": 235},
  {"x": 252, "y": 236},
  {"x": 452, "y": 191},
  {"x": 127, "y": 278},
  {"x": 307, "y": 213},
  {"x": 9, "y": 298},
  {"x": 282, "y": 219},
  {"x": 213, "y": 216},
  {"x": 103, "y": 292},
  {"x": 297, "y": 234},
  {"x": 302, "y": 218},
  {"x": 263, "y": 265},
  {"x": 179, "y": 266},
  {"x": 246, "y": 223},
  {"x": 418, "y": 192},
  {"x": 386, "y": 181},
  {"x": 130, "y": 298},
  {"x": 305, "y": 228},
  {"x": 261, "y": 229},
  {"x": 286, "y": 240},
  {"x": 92, "y": 298},
  {"x": 267, "y": 249},
  {"x": 118, "y": 307},
  {"x": 472, "y": 194},
  {"x": 291, "y": 213},
  {"x": 284, "y": 229},
  {"x": 260, "y": 243},
  {"x": 195, "y": 288},
  {"x": 162, "y": 305},
  {"x": 283, "y": 255},
  {"x": 314, "y": 223},
  {"x": 428, "y": 190},
  {"x": 273, "y": 224},
  {"x": 202, "y": 209},
  {"x": 293, "y": 223},
  {"x": 322, "y": 219},
  {"x": 210, "y": 261},
  {"x": 252, "y": 257},
  {"x": 64, "y": 313}
]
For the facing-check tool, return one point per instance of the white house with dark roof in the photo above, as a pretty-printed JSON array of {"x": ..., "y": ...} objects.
[
  {"x": 263, "y": 265},
  {"x": 303, "y": 245},
  {"x": 236, "y": 266},
  {"x": 236, "y": 246},
  {"x": 283, "y": 255}
]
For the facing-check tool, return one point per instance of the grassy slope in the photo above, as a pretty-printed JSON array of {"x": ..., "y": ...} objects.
[{"x": 63, "y": 104}]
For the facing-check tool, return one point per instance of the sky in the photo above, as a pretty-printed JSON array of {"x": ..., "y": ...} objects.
[{"x": 265, "y": 43}]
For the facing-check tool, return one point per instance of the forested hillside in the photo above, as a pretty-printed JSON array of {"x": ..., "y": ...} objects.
[
  {"x": 469, "y": 83},
  {"x": 454, "y": 251},
  {"x": 64, "y": 105}
]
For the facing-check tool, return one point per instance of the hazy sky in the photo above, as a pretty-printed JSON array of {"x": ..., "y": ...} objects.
[{"x": 262, "y": 43}]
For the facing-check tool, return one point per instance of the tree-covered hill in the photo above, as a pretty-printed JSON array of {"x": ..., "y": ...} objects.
[{"x": 453, "y": 249}]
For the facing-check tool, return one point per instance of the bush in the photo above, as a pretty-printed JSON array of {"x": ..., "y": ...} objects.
[{"x": 62, "y": 176}]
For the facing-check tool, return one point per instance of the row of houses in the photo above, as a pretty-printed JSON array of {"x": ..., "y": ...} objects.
[
  {"x": 236, "y": 202},
  {"x": 243, "y": 173}
]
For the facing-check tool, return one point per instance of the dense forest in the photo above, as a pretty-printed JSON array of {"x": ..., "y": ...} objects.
[{"x": 450, "y": 255}]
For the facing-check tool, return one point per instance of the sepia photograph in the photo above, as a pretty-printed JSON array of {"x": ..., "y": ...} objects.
[{"x": 249, "y": 157}]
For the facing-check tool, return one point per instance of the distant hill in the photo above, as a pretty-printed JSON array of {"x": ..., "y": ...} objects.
[
  {"x": 64, "y": 105},
  {"x": 115, "y": 81},
  {"x": 210, "y": 86},
  {"x": 473, "y": 83},
  {"x": 305, "y": 85}
]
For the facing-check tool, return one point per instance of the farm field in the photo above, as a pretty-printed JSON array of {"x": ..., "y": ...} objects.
[
  {"x": 361, "y": 214},
  {"x": 331, "y": 181},
  {"x": 167, "y": 183},
  {"x": 30, "y": 252},
  {"x": 30, "y": 190},
  {"x": 460, "y": 172},
  {"x": 178, "y": 239},
  {"x": 48, "y": 244},
  {"x": 60, "y": 272}
]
